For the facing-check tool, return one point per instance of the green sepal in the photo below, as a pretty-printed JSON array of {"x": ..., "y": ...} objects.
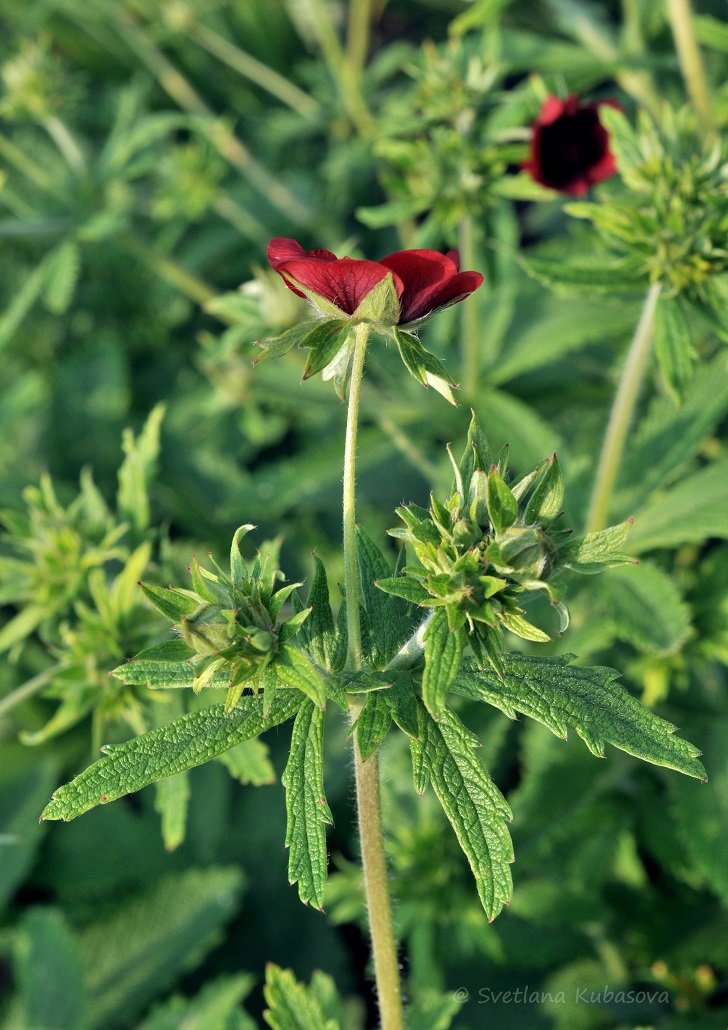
[
  {"x": 502, "y": 505},
  {"x": 515, "y": 622},
  {"x": 443, "y": 654},
  {"x": 597, "y": 551},
  {"x": 238, "y": 568},
  {"x": 173, "y": 604},
  {"x": 325, "y": 342},
  {"x": 372, "y": 725},
  {"x": 294, "y": 669},
  {"x": 545, "y": 501},
  {"x": 402, "y": 702},
  {"x": 424, "y": 366},
  {"x": 168, "y": 651},
  {"x": 290, "y": 627},
  {"x": 277, "y": 346},
  {"x": 381, "y": 304},
  {"x": 402, "y": 586}
]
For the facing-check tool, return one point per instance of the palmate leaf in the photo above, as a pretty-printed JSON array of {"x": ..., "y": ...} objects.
[
  {"x": 559, "y": 695},
  {"x": 182, "y": 744},
  {"x": 306, "y": 806},
  {"x": 471, "y": 801}
]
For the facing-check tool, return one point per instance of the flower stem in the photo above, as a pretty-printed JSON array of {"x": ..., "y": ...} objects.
[
  {"x": 622, "y": 412},
  {"x": 351, "y": 569},
  {"x": 691, "y": 61},
  {"x": 374, "y": 866}
]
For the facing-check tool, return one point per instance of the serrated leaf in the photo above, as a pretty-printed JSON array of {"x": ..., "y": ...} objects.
[
  {"x": 317, "y": 632},
  {"x": 688, "y": 513},
  {"x": 159, "y": 933},
  {"x": 277, "y": 346},
  {"x": 49, "y": 973},
  {"x": 164, "y": 675},
  {"x": 215, "y": 1007},
  {"x": 248, "y": 762},
  {"x": 306, "y": 805},
  {"x": 473, "y": 804},
  {"x": 646, "y": 608},
  {"x": 373, "y": 724},
  {"x": 181, "y": 745},
  {"x": 597, "y": 551},
  {"x": 673, "y": 346},
  {"x": 291, "y": 1005},
  {"x": 559, "y": 695},
  {"x": 294, "y": 669},
  {"x": 390, "y": 617},
  {"x": 584, "y": 274},
  {"x": 443, "y": 654}
]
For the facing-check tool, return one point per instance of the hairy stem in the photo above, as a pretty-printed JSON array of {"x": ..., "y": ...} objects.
[
  {"x": 622, "y": 412},
  {"x": 691, "y": 61},
  {"x": 351, "y": 570},
  {"x": 374, "y": 866}
]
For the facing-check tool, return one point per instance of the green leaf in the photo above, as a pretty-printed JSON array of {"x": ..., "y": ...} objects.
[
  {"x": 522, "y": 627},
  {"x": 306, "y": 806},
  {"x": 559, "y": 695},
  {"x": 443, "y": 654},
  {"x": 473, "y": 804},
  {"x": 49, "y": 972},
  {"x": 248, "y": 762},
  {"x": 277, "y": 346},
  {"x": 173, "y": 794},
  {"x": 296, "y": 670},
  {"x": 424, "y": 366},
  {"x": 138, "y": 468},
  {"x": 673, "y": 345},
  {"x": 373, "y": 724},
  {"x": 597, "y": 551},
  {"x": 158, "y": 934},
  {"x": 291, "y": 1005},
  {"x": 645, "y": 608},
  {"x": 547, "y": 495},
  {"x": 390, "y": 617},
  {"x": 402, "y": 701},
  {"x": 212, "y": 1008},
  {"x": 183, "y": 744},
  {"x": 380, "y": 305},
  {"x": 404, "y": 586},
  {"x": 688, "y": 513},
  {"x": 317, "y": 632},
  {"x": 587, "y": 273},
  {"x": 168, "y": 651},
  {"x": 162, "y": 675},
  {"x": 325, "y": 342}
]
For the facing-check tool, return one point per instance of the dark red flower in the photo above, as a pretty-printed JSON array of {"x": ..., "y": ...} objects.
[
  {"x": 570, "y": 147},
  {"x": 424, "y": 280}
]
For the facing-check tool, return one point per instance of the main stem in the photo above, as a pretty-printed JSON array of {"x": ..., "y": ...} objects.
[
  {"x": 622, "y": 412},
  {"x": 369, "y": 807}
]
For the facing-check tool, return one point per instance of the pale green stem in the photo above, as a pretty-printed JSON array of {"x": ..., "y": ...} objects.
[
  {"x": 254, "y": 70},
  {"x": 357, "y": 36},
  {"x": 622, "y": 412},
  {"x": 369, "y": 809},
  {"x": 28, "y": 689},
  {"x": 67, "y": 145},
  {"x": 470, "y": 335},
  {"x": 691, "y": 61},
  {"x": 351, "y": 569}
]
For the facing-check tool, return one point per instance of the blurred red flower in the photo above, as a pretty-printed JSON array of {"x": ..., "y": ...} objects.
[
  {"x": 570, "y": 147},
  {"x": 425, "y": 281}
]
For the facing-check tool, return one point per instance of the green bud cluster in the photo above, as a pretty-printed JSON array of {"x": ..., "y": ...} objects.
[
  {"x": 230, "y": 623},
  {"x": 674, "y": 221},
  {"x": 490, "y": 543}
]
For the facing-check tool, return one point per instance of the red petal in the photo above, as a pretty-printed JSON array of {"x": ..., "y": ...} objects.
[
  {"x": 282, "y": 249},
  {"x": 420, "y": 271},
  {"x": 442, "y": 295},
  {"x": 344, "y": 282}
]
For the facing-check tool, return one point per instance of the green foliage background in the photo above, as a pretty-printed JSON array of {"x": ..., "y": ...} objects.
[{"x": 148, "y": 152}]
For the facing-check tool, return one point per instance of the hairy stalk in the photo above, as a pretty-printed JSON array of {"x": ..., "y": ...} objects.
[
  {"x": 622, "y": 412},
  {"x": 470, "y": 337},
  {"x": 691, "y": 61},
  {"x": 369, "y": 809},
  {"x": 351, "y": 570}
]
